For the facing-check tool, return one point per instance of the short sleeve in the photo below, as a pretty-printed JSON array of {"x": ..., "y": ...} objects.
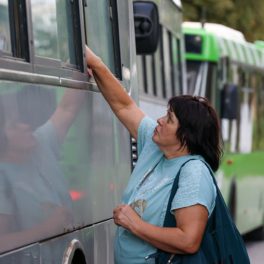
[
  {"x": 195, "y": 187},
  {"x": 145, "y": 132},
  {"x": 6, "y": 205},
  {"x": 46, "y": 136}
]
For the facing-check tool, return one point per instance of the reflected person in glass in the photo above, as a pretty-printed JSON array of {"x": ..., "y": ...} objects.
[{"x": 34, "y": 196}]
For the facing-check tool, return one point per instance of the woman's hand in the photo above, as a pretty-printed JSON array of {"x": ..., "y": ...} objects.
[
  {"x": 92, "y": 60},
  {"x": 126, "y": 216}
]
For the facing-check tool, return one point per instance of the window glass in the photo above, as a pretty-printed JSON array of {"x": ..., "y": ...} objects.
[
  {"x": 175, "y": 64},
  {"x": 172, "y": 64},
  {"x": 99, "y": 31},
  {"x": 140, "y": 75},
  {"x": 211, "y": 83},
  {"x": 258, "y": 126},
  {"x": 167, "y": 66},
  {"x": 193, "y": 44},
  {"x": 162, "y": 69},
  {"x": 53, "y": 29},
  {"x": 5, "y": 40},
  {"x": 158, "y": 72},
  {"x": 193, "y": 69},
  {"x": 149, "y": 74}
]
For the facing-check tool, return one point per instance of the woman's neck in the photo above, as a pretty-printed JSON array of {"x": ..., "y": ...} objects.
[{"x": 172, "y": 152}]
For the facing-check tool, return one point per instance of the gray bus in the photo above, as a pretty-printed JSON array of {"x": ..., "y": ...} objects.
[{"x": 65, "y": 158}]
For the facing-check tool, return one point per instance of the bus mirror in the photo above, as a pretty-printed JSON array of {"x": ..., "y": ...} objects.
[
  {"x": 146, "y": 20},
  {"x": 229, "y": 101}
]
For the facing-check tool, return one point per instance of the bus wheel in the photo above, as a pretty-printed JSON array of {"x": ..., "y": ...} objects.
[
  {"x": 74, "y": 253},
  {"x": 78, "y": 257}
]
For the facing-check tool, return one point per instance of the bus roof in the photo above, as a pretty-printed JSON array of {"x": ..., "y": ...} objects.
[{"x": 220, "y": 41}]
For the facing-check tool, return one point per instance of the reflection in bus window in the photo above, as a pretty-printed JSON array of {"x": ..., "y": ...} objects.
[
  {"x": 100, "y": 32},
  {"x": 5, "y": 41},
  {"x": 35, "y": 201},
  {"x": 53, "y": 29}
]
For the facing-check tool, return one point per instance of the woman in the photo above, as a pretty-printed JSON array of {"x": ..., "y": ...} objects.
[{"x": 190, "y": 130}]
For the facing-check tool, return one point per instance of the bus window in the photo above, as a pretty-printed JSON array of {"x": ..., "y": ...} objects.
[
  {"x": 99, "y": 18},
  {"x": 13, "y": 29},
  {"x": 167, "y": 64},
  {"x": 176, "y": 64},
  {"x": 158, "y": 72},
  {"x": 5, "y": 38},
  {"x": 258, "y": 127},
  {"x": 193, "y": 70},
  {"x": 179, "y": 65},
  {"x": 153, "y": 70},
  {"x": 172, "y": 63},
  {"x": 54, "y": 30},
  {"x": 140, "y": 74},
  {"x": 145, "y": 79},
  {"x": 210, "y": 91},
  {"x": 149, "y": 76},
  {"x": 162, "y": 63}
]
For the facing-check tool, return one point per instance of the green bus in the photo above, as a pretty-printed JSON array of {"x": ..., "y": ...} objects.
[{"x": 229, "y": 72}]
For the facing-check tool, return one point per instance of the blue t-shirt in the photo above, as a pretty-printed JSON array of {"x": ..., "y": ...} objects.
[{"x": 149, "y": 189}]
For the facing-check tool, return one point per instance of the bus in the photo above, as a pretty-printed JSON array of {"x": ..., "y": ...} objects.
[
  {"x": 65, "y": 159},
  {"x": 229, "y": 71}
]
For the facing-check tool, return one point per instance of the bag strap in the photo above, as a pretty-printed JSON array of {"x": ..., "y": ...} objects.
[{"x": 169, "y": 220}]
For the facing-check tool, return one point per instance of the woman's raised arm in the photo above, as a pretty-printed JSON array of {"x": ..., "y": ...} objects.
[{"x": 122, "y": 105}]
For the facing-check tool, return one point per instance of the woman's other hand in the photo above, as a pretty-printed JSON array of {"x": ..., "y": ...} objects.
[{"x": 126, "y": 216}]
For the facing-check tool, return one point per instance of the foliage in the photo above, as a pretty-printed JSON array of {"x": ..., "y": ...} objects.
[{"x": 243, "y": 15}]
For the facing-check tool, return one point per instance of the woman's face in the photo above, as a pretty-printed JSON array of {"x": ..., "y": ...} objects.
[
  {"x": 165, "y": 132},
  {"x": 19, "y": 137}
]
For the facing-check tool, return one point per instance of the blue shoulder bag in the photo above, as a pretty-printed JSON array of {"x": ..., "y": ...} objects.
[{"x": 221, "y": 243}]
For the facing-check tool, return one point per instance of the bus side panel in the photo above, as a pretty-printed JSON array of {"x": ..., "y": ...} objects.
[
  {"x": 50, "y": 188},
  {"x": 27, "y": 255}
]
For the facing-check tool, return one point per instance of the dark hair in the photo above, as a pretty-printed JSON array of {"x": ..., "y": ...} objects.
[{"x": 199, "y": 128}]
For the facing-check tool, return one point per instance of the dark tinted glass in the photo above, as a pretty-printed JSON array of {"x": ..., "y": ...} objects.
[{"x": 193, "y": 44}]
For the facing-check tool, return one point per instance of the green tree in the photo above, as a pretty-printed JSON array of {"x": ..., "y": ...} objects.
[{"x": 243, "y": 15}]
